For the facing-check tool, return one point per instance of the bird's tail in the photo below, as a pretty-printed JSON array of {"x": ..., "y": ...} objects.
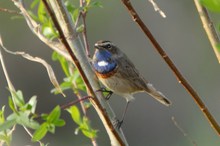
[{"x": 157, "y": 95}]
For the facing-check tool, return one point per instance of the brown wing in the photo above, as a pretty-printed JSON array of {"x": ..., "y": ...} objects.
[
  {"x": 138, "y": 83},
  {"x": 127, "y": 70}
]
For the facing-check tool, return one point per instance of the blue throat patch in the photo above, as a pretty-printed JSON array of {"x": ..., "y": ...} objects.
[{"x": 103, "y": 63}]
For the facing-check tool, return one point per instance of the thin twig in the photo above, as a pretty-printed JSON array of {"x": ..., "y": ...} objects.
[
  {"x": 157, "y": 9},
  {"x": 82, "y": 100},
  {"x": 9, "y": 11},
  {"x": 182, "y": 131},
  {"x": 82, "y": 3},
  {"x": 74, "y": 102},
  {"x": 84, "y": 33},
  {"x": 209, "y": 28},
  {"x": 169, "y": 62},
  {"x": 11, "y": 87}
]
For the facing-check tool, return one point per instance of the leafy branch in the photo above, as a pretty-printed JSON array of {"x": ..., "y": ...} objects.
[
  {"x": 72, "y": 43},
  {"x": 66, "y": 41}
]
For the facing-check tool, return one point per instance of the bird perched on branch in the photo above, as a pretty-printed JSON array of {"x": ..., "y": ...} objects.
[{"x": 115, "y": 70}]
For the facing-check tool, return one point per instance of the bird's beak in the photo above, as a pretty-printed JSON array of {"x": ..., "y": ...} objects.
[{"x": 97, "y": 46}]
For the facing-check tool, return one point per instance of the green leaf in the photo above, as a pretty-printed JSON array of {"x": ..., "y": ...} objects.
[
  {"x": 6, "y": 138},
  {"x": 86, "y": 129},
  {"x": 42, "y": 15},
  {"x": 66, "y": 84},
  {"x": 78, "y": 80},
  {"x": 23, "y": 119},
  {"x": 2, "y": 117},
  {"x": 44, "y": 116},
  {"x": 55, "y": 56},
  {"x": 11, "y": 104},
  {"x": 33, "y": 16},
  {"x": 18, "y": 98},
  {"x": 40, "y": 132},
  {"x": 34, "y": 3},
  {"x": 213, "y": 5},
  {"x": 54, "y": 115},
  {"x": 89, "y": 133},
  {"x": 75, "y": 14},
  {"x": 96, "y": 4},
  {"x": 30, "y": 106},
  {"x": 80, "y": 28},
  {"x": 75, "y": 114},
  {"x": 69, "y": 6},
  {"x": 51, "y": 128},
  {"x": 33, "y": 103},
  {"x": 7, "y": 125},
  {"x": 65, "y": 66},
  {"x": 59, "y": 123},
  {"x": 63, "y": 62},
  {"x": 88, "y": 2},
  {"x": 12, "y": 116}
]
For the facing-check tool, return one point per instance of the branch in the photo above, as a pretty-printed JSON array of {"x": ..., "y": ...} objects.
[
  {"x": 74, "y": 102},
  {"x": 9, "y": 11},
  {"x": 169, "y": 62},
  {"x": 71, "y": 41},
  {"x": 36, "y": 29},
  {"x": 11, "y": 88},
  {"x": 157, "y": 9},
  {"x": 209, "y": 28},
  {"x": 83, "y": 13},
  {"x": 73, "y": 45}
]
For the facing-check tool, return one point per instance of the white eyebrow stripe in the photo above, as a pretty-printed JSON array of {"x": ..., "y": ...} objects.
[
  {"x": 106, "y": 43},
  {"x": 102, "y": 63}
]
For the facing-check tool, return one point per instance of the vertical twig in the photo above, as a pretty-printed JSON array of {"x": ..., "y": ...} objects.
[
  {"x": 209, "y": 28},
  {"x": 172, "y": 66},
  {"x": 83, "y": 13},
  {"x": 183, "y": 131}
]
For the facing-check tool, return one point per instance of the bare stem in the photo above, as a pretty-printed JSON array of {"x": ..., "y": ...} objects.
[
  {"x": 9, "y": 11},
  {"x": 209, "y": 28},
  {"x": 84, "y": 33},
  {"x": 74, "y": 102},
  {"x": 174, "y": 69}
]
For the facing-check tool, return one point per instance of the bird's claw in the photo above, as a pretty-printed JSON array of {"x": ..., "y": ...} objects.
[
  {"x": 107, "y": 97},
  {"x": 117, "y": 123}
]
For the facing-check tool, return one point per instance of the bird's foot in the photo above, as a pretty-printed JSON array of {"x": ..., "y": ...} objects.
[
  {"x": 104, "y": 90},
  {"x": 117, "y": 123}
]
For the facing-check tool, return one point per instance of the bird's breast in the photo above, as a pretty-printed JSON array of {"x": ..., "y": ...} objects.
[{"x": 105, "y": 69}]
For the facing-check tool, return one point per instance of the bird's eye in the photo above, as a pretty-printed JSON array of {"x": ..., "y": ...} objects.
[{"x": 108, "y": 46}]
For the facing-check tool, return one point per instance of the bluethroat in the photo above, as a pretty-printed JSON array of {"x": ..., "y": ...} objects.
[{"x": 116, "y": 72}]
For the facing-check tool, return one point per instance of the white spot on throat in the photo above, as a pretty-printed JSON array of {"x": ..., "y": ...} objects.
[{"x": 102, "y": 63}]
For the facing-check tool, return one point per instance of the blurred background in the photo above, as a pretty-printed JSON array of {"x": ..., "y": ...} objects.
[{"x": 147, "y": 122}]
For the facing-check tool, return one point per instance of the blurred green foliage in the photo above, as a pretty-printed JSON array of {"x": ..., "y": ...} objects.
[
  {"x": 23, "y": 113},
  {"x": 213, "y": 5}
]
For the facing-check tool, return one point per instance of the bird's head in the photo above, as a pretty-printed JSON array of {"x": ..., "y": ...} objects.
[
  {"x": 106, "y": 45},
  {"x": 104, "y": 57}
]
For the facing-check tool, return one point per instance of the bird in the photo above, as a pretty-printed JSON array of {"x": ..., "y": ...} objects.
[{"x": 118, "y": 74}]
